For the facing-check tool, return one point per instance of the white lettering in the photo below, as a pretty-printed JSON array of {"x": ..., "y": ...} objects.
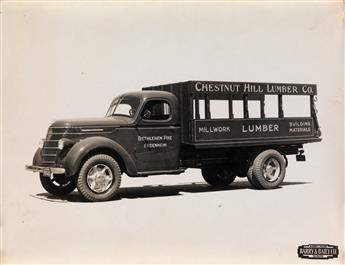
[
  {"x": 307, "y": 89},
  {"x": 252, "y": 88},
  {"x": 260, "y": 128},
  {"x": 155, "y": 138},
  {"x": 209, "y": 87},
  {"x": 197, "y": 88},
  {"x": 214, "y": 129},
  {"x": 284, "y": 89}
]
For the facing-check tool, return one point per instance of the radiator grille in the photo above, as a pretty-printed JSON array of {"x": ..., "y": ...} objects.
[{"x": 50, "y": 146}]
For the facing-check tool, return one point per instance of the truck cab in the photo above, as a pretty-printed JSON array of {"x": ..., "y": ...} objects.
[
  {"x": 152, "y": 135},
  {"x": 168, "y": 128}
]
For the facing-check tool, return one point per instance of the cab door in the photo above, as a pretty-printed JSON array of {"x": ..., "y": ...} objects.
[{"x": 158, "y": 136}]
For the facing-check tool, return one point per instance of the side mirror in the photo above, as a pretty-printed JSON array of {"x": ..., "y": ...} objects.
[{"x": 131, "y": 112}]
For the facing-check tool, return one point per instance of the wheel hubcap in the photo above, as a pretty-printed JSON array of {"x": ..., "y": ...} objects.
[
  {"x": 271, "y": 169},
  {"x": 99, "y": 178}
]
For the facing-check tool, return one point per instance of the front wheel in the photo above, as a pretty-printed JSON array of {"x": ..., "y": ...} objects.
[
  {"x": 99, "y": 178},
  {"x": 58, "y": 184},
  {"x": 218, "y": 176}
]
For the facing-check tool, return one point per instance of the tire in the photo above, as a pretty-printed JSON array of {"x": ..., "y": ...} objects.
[
  {"x": 58, "y": 184},
  {"x": 218, "y": 177},
  {"x": 252, "y": 181},
  {"x": 99, "y": 178},
  {"x": 249, "y": 172},
  {"x": 268, "y": 170}
]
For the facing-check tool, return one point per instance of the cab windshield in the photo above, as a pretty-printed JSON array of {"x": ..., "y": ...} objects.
[{"x": 125, "y": 106}]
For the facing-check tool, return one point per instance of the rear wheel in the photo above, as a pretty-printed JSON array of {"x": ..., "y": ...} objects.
[
  {"x": 268, "y": 170},
  {"x": 99, "y": 178},
  {"x": 249, "y": 169},
  {"x": 252, "y": 181},
  {"x": 58, "y": 184},
  {"x": 218, "y": 176}
]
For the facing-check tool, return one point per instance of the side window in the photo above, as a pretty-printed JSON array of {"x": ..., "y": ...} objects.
[
  {"x": 201, "y": 109},
  {"x": 254, "y": 108},
  {"x": 156, "y": 110},
  {"x": 124, "y": 109},
  {"x": 271, "y": 106},
  {"x": 219, "y": 109},
  {"x": 296, "y": 106},
  {"x": 237, "y": 106}
]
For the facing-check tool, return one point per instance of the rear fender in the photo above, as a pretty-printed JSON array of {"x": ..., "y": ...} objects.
[{"x": 74, "y": 158}]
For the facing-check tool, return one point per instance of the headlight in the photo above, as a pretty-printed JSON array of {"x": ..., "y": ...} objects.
[
  {"x": 41, "y": 143},
  {"x": 61, "y": 144},
  {"x": 64, "y": 142}
]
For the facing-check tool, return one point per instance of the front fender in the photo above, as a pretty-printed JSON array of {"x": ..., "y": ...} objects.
[
  {"x": 37, "y": 157},
  {"x": 80, "y": 150}
]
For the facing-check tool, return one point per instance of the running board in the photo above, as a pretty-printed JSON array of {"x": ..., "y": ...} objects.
[{"x": 162, "y": 172}]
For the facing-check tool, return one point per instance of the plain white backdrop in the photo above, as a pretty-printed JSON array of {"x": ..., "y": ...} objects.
[{"x": 70, "y": 59}]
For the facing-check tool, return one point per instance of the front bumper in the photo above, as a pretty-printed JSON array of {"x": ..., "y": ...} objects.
[{"x": 47, "y": 171}]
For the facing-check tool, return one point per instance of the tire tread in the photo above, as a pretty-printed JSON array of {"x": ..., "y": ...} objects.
[
  {"x": 257, "y": 178},
  {"x": 82, "y": 186}
]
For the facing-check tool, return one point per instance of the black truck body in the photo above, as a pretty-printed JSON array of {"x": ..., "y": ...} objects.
[{"x": 169, "y": 128}]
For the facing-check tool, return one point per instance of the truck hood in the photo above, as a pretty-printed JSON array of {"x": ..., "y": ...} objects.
[{"x": 91, "y": 122}]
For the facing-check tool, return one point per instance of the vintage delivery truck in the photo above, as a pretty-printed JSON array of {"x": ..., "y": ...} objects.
[{"x": 166, "y": 129}]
